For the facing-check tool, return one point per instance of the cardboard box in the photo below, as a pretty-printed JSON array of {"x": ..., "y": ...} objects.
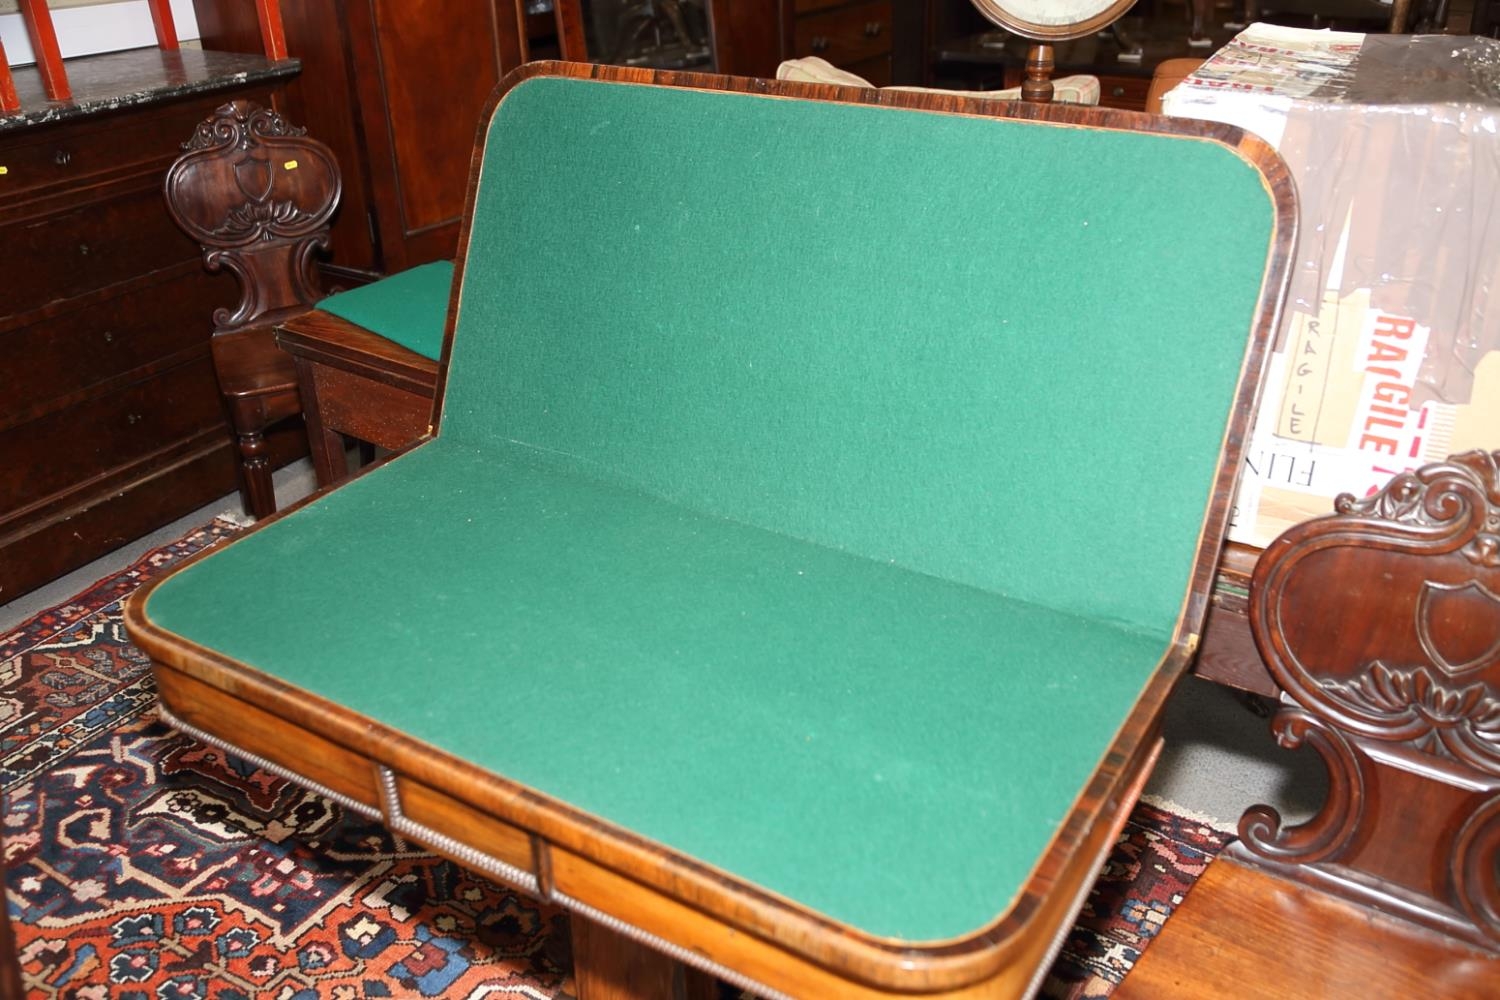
[{"x": 1389, "y": 352}]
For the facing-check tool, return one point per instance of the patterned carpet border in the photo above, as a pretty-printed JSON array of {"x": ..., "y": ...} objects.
[{"x": 145, "y": 866}]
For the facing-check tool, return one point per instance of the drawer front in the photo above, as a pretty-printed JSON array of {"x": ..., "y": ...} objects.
[
  {"x": 846, "y": 35},
  {"x": 70, "y": 352},
  {"x": 877, "y": 71},
  {"x": 91, "y": 246},
  {"x": 73, "y": 154},
  {"x": 268, "y": 735},
  {"x": 69, "y": 447},
  {"x": 1127, "y": 92}
]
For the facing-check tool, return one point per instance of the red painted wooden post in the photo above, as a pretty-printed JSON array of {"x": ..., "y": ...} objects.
[
  {"x": 8, "y": 99},
  {"x": 38, "y": 20},
  {"x": 161, "y": 20},
  {"x": 272, "y": 37}
]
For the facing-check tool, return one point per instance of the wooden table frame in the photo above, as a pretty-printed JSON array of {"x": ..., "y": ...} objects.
[{"x": 642, "y": 911}]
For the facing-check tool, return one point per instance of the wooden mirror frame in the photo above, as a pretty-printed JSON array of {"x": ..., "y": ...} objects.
[{"x": 997, "y": 12}]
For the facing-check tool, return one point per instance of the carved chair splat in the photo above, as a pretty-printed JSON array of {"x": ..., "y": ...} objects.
[
  {"x": 1381, "y": 624},
  {"x": 257, "y": 194}
]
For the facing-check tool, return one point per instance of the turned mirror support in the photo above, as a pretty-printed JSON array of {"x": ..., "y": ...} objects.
[
  {"x": 1037, "y": 86},
  {"x": 1047, "y": 22}
]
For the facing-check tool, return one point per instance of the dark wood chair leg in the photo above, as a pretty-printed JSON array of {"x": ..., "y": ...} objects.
[
  {"x": 1198, "y": 33},
  {"x": 257, "y": 489},
  {"x": 259, "y": 385}
]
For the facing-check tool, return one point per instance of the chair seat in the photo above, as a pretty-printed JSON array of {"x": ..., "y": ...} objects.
[
  {"x": 248, "y": 363},
  {"x": 873, "y": 722}
]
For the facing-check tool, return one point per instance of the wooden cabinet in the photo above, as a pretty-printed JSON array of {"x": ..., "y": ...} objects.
[
  {"x": 881, "y": 40},
  {"x": 853, "y": 36},
  {"x": 110, "y": 421},
  {"x": 396, "y": 89},
  {"x": 1125, "y": 92}
]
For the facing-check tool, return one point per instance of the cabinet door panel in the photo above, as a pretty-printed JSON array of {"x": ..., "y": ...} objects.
[{"x": 432, "y": 66}]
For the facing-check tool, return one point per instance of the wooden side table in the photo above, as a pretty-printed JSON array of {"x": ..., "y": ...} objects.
[
  {"x": 367, "y": 363},
  {"x": 356, "y": 382}
]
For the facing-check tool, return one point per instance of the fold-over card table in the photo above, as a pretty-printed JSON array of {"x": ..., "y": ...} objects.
[{"x": 824, "y": 501}]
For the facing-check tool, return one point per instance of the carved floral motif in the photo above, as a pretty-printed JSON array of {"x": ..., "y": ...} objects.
[
  {"x": 257, "y": 194},
  {"x": 261, "y": 220},
  {"x": 1460, "y": 721}
]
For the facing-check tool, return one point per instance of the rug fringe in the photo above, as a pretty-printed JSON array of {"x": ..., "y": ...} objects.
[{"x": 1167, "y": 805}]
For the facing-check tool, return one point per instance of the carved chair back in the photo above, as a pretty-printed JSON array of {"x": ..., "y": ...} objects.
[
  {"x": 1381, "y": 623},
  {"x": 257, "y": 194}
]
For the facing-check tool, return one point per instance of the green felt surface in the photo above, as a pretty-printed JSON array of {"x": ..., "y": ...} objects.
[
  {"x": 408, "y": 307},
  {"x": 888, "y": 748},
  {"x": 998, "y": 352},
  {"x": 816, "y": 488}
]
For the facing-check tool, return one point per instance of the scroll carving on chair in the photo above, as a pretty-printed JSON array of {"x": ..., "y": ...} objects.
[
  {"x": 1381, "y": 623},
  {"x": 258, "y": 195}
]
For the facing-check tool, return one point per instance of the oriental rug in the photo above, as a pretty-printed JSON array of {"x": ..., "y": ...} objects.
[{"x": 145, "y": 866}]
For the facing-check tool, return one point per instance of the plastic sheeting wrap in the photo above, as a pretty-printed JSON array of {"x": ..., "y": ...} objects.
[{"x": 1389, "y": 352}]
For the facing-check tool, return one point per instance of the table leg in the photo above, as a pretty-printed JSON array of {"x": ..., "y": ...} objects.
[
  {"x": 330, "y": 465},
  {"x": 610, "y": 966}
]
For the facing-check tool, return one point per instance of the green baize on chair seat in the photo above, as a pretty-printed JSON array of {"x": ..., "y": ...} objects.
[
  {"x": 816, "y": 489},
  {"x": 408, "y": 307}
]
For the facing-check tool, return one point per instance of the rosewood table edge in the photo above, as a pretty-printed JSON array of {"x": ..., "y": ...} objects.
[{"x": 882, "y": 962}]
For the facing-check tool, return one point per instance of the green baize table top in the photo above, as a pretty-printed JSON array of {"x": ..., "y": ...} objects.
[{"x": 788, "y": 508}]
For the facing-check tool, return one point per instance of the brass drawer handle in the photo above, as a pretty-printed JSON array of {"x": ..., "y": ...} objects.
[
  {"x": 132, "y": 418},
  {"x": 109, "y": 336},
  {"x": 62, "y": 157},
  {"x": 873, "y": 29},
  {"x": 819, "y": 43},
  {"x": 1117, "y": 91}
]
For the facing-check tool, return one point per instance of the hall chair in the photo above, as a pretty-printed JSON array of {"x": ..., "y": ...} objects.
[
  {"x": 807, "y": 542},
  {"x": 258, "y": 194}
]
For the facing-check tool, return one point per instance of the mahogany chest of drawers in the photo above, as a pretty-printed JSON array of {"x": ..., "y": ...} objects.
[
  {"x": 110, "y": 419},
  {"x": 854, "y": 36}
]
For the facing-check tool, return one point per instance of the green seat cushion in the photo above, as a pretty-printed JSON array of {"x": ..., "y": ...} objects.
[
  {"x": 888, "y": 748},
  {"x": 408, "y": 307}
]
